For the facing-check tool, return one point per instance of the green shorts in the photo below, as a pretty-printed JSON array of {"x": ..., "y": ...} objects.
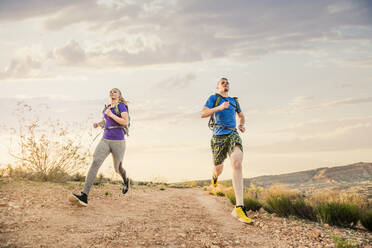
[{"x": 224, "y": 144}]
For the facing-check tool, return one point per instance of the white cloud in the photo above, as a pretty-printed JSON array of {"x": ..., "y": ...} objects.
[
  {"x": 300, "y": 104},
  {"x": 69, "y": 55},
  {"x": 189, "y": 31},
  {"x": 175, "y": 82},
  {"x": 21, "y": 67}
]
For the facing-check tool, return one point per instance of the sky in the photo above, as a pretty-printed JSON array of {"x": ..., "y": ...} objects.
[{"x": 302, "y": 71}]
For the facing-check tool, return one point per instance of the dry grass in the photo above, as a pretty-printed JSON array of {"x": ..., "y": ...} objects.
[
  {"x": 46, "y": 150},
  {"x": 332, "y": 196}
]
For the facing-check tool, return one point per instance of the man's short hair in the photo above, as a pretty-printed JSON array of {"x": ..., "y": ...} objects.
[{"x": 221, "y": 79}]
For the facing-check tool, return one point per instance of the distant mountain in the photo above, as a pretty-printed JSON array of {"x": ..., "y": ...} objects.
[
  {"x": 356, "y": 178},
  {"x": 354, "y": 173}
]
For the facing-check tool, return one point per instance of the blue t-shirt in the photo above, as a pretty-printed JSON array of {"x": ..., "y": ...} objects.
[
  {"x": 225, "y": 117},
  {"x": 116, "y": 133}
]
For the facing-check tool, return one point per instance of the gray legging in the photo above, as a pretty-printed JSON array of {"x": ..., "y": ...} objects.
[{"x": 103, "y": 149}]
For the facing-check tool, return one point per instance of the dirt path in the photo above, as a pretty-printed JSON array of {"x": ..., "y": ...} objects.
[{"x": 39, "y": 215}]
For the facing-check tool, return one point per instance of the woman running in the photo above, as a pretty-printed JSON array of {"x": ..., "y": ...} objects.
[{"x": 115, "y": 124}]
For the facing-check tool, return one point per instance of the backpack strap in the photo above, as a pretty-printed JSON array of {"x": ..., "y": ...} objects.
[
  {"x": 237, "y": 104},
  {"x": 117, "y": 113},
  {"x": 212, "y": 124},
  {"x": 218, "y": 100}
]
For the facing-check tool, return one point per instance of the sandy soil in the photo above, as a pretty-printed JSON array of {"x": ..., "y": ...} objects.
[{"x": 40, "y": 215}]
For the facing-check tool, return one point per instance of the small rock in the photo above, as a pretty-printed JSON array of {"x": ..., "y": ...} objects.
[{"x": 183, "y": 235}]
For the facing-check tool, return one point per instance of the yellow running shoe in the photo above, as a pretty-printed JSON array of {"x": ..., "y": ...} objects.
[
  {"x": 240, "y": 213},
  {"x": 214, "y": 181}
]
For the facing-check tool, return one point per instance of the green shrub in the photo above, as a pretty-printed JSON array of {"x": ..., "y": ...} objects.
[
  {"x": 219, "y": 193},
  {"x": 77, "y": 177},
  {"x": 161, "y": 187},
  {"x": 267, "y": 208},
  {"x": 279, "y": 204},
  {"x": 343, "y": 243},
  {"x": 252, "y": 204},
  {"x": 338, "y": 214},
  {"x": 366, "y": 219},
  {"x": 303, "y": 210},
  {"x": 231, "y": 196}
]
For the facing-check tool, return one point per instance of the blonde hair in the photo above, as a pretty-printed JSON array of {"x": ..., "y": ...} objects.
[{"x": 121, "y": 98}]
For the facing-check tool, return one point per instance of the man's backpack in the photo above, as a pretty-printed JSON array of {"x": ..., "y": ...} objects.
[
  {"x": 212, "y": 122},
  {"x": 118, "y": 114}
]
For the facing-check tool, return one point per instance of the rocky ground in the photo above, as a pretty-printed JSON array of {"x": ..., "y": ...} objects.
[{"x": 40, "y": 215}]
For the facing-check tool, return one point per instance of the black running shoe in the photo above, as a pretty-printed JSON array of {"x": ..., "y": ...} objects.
[
  {"x": 81, "y": 199},
  {"x": 125, "y": 185}
]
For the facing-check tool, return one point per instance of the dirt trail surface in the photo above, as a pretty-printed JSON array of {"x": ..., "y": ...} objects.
[{"x": 40, "y": 215}]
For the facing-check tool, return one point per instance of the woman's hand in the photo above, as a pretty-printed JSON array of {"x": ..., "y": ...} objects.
[
  {"x": 108, "y": 112},
  {"x": 95, "y": 125}
]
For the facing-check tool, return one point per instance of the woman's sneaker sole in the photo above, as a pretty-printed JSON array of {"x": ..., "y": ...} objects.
[{"x": 77, "y": 201}]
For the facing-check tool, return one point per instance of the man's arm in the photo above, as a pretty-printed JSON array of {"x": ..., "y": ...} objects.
[
  {"x": 206, "y": 112},
  {"x": 241, "y": 121}
]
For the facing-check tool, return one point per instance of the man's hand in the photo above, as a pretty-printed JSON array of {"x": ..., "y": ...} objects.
[
  {"x": 224, "y": 105},
  {"x": 241, "y": 128}
]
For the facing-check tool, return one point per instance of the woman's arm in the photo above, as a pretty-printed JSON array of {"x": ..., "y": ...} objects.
[
  {"x": 123, "y": 120},
  {"x": 99, "y": 124}
]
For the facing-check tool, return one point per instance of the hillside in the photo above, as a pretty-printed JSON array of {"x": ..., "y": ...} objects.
[
  {"x": 34, "y": 214},
  {"x": 353, "y": 178},
  {"x": 350, "y": 174}
]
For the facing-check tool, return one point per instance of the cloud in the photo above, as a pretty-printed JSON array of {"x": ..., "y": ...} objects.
[
  {"x": 93, "y": 13},
  {"x": 72, "y": 54},
  {"x": 69, "y": 55},
  {"x": 21, "y": 67},
  {"x": 348, "y": 135},
  {"x": 324, "y": 128},
  {"x": 300, "y": 100},
  {"x": 364, "y": 62},
  {"x": 301, "y": 104},
  {"x": 25, "y": 9},
  {"x": 175, "y": 82},
  {"x": 188, "y": 31}
]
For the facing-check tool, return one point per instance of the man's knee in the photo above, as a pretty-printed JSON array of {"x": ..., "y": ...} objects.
[{"x": 236, "y": 164}]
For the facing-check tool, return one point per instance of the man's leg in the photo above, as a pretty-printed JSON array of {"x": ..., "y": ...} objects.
[
  {"x": 219, "y": 151},
  {"x": 236, "y": 159},
  {"x": 217, "y": 170}
]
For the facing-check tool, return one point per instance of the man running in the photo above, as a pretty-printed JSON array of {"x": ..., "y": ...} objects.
[{"x": 226, "y": 141}]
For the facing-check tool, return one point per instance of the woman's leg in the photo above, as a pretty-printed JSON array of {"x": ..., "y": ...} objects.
[
  {"x": 118, "y": 150},
  {"x": 100, "y": 154}
]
